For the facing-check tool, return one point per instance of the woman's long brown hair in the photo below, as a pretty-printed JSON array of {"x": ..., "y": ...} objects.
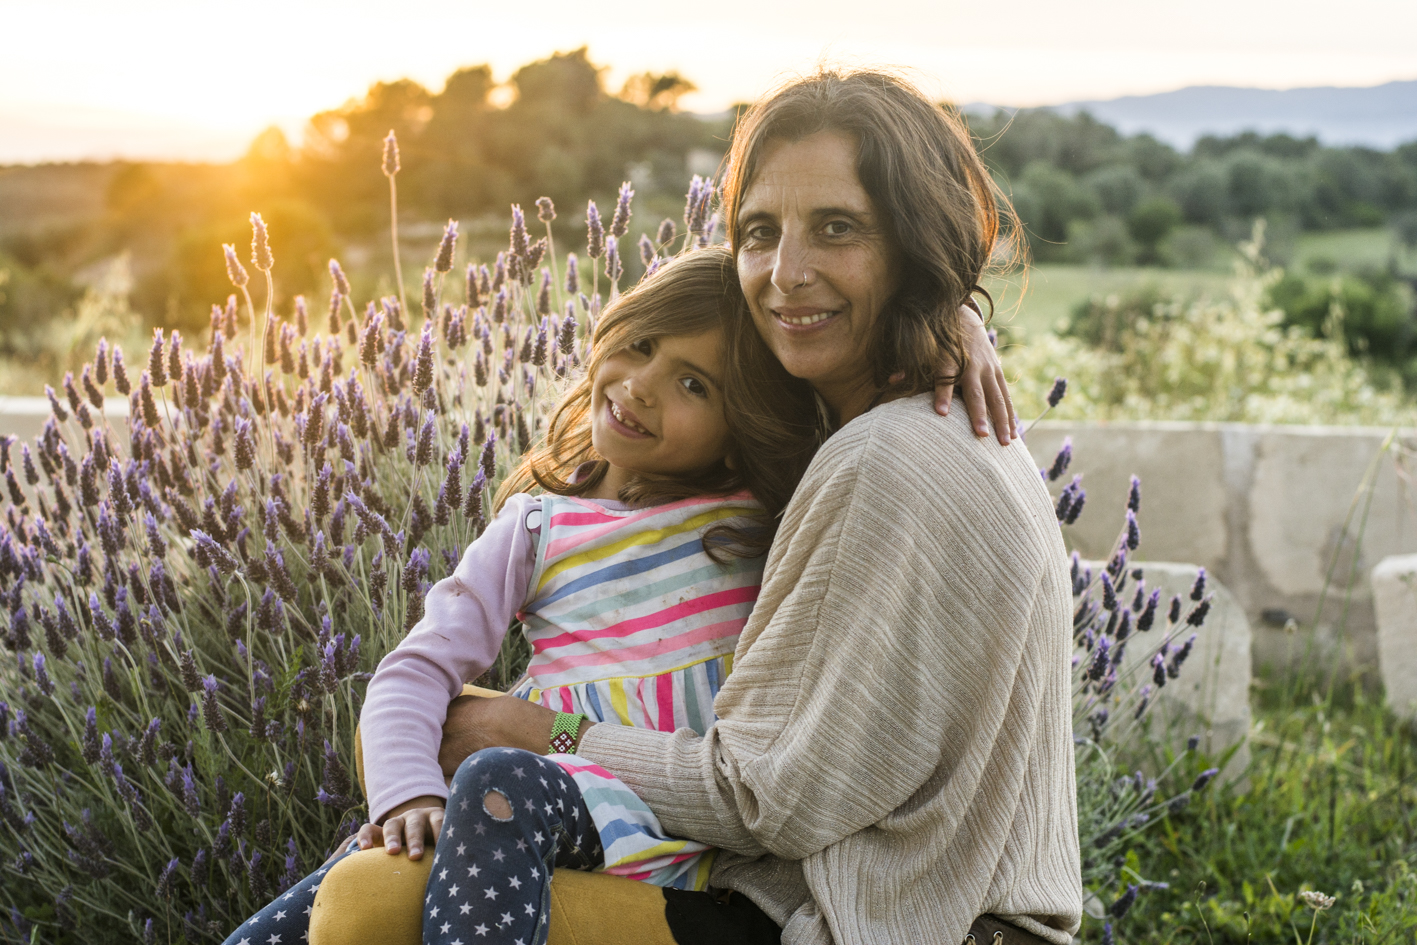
[{"x": 771, "y": 415}]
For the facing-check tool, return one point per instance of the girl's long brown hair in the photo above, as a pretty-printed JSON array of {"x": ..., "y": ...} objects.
[{"x": 771, "y": 415}]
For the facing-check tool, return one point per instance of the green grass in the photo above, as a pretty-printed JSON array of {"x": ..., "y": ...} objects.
[
  {"x": 1051, "y": 291},
  {"x": 1327, "y": 806},
  {"x": 1349, "y": 250}
]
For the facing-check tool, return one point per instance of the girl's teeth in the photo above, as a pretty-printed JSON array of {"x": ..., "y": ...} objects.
[
  {"x": 807, "y": 319},
  {"x": 621, "y": 417}
]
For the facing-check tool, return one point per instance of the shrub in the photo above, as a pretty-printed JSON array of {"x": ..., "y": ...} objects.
[{"x": 1155, "y": 358}]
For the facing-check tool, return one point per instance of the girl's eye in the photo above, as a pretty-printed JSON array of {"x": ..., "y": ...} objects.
[
  {"x": 694, "y": 386},
  {"x": 644, "y": 347}
]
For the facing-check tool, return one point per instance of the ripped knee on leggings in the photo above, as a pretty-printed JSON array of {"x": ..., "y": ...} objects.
[{"x": 497, "y": 806}]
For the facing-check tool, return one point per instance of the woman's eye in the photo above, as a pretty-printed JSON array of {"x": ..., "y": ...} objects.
[
  {"x": 694, "y": 386},
  {"x": 838, "y": 228},
  {"x": 760, "y": 233}
]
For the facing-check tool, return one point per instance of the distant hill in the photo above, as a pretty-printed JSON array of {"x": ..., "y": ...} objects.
[{"x": 1381, "y": 116}]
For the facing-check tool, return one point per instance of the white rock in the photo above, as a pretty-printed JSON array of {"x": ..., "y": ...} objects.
[{"x": 1395, "y": 600}]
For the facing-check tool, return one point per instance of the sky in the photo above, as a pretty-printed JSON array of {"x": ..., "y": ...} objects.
[{"x": 197, "y": 79}]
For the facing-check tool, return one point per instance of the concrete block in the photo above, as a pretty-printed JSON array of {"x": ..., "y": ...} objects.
[
  {"x": 1183, "y": 488},
  {"x": 1394, "y": 583}
]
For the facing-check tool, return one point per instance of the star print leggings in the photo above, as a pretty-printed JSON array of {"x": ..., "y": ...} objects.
[{"x": 491, "y": 876}]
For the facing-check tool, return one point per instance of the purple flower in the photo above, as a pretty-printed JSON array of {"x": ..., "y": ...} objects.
[
  {"x": 41, "y": 675},
  {"x": 1061, "y": 461},
  {"x": 1148, "y": 615},
  {"x": 519, "y": 243},
  {"x": 54, "y": 405},
  {"x": 444, "y": 261},
  {"x": 423, "y": 369},
  {"x": 595, "y": 240},
  {"x": 647, "y": 253},
  {"x": 1133, "y": 531},
  {"x": 211, "y": 710},
  {"x": 1203, "y": 779},
  {"x": 613, "y": 268},
  {"x": 1124, "y": 902},
  {"x": 1055, "y": 396},
  {"x": 89, "y": 746},
  {"x": 1134, "y": 495},
  {"x": 234, "y": 271},
  {"x": 545, "y": 209},
  {"x": 666, "y": 232},
  {"x": 1198, "y": 588}
]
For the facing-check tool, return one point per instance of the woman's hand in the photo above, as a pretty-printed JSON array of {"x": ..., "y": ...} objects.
[
  {"x": 411, "y": 824},
  {"x": 477, "y": 722},
  {"x": 985, "y": 392}
]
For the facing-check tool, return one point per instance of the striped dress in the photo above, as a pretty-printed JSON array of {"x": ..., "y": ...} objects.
[{"x": 632, "y": 623}]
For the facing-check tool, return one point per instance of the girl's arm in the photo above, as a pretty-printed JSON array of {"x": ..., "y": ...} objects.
[
  {"x": 466, "y": 616},
  {"x": 982, "y": 385}
]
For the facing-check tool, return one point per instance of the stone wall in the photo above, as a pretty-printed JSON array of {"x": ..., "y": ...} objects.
[{"x": 1263, "y": 509}]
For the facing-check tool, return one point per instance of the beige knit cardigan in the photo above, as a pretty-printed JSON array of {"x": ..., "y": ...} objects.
[{"x": 894, "y": 751}]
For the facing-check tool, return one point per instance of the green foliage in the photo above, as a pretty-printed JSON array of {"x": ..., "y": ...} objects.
[
  {"x": 1371, "y": 312},
  {"x": 1146, "y": 356},
  {"x": 1223, "y": 184},
  {"x": 1327, "y": 805}
]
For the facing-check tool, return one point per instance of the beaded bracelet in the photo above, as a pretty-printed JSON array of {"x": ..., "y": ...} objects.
[{"x": 564, "y": 730}]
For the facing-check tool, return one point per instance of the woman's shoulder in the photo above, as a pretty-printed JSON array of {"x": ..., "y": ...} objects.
[{"x": 904, "y": 451}]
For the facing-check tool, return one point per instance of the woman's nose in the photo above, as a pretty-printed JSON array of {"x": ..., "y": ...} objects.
[{"x": 792, "y": 265}]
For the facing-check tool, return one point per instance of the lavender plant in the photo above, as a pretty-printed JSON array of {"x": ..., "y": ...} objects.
[
  {"x": 195, "y": 598},
  {"x": 1113, "y": 611}
]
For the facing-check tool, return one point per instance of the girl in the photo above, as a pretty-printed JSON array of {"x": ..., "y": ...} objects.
[{"x": 663, "y": 471}]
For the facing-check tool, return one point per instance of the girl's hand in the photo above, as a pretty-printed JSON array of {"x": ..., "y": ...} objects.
[
  {"x": 411, "y": 824},
  {"x": 985, "y": 392}
]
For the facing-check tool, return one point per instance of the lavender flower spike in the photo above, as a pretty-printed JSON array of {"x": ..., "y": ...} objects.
[
  {"x": 337, "y": 274},
  {"x": 234, "y": 270},
  {"x": 391, "y": 154},
  {"x": 1055, "y": 396},
  {"x": 260, "y": 244},
  {"x": 620, "y": 222},
  {"x": 211, "y": 711},
  {"x": 444, "y": 262},
  {"x": 1134, "y": 495},
  {"x": 1061, "y": 461},
  {"x": 595, "y": 230},
  {"x": 1198, "y": 588},
  {"x": 545, "y": 209},
  {"x": 519, "y": 243}
]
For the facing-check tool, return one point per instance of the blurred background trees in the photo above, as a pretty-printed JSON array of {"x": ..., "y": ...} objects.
[{"x": 1090, "y": 198}]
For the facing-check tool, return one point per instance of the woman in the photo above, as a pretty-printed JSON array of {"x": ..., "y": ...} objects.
[{"x": 893, "y": 759}]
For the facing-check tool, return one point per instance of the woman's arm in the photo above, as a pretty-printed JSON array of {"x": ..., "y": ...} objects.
[
  {"x": 884, "y": 648},
  {"x": 465, "y": 619}
]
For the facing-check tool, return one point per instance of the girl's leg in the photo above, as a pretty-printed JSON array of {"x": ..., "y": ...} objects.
[
  {"x": 286, "y": 921},
  {"x": 512, "y": 817}
]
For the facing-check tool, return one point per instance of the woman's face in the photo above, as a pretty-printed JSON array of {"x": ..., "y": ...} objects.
[{"x": 817, "y": 264}]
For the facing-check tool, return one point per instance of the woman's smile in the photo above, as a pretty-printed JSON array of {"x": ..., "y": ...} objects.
[{"x": 797, "y": 318}]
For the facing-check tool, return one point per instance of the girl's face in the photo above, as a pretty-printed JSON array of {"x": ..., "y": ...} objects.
[
  {"x": 657, "y": 406},
  {"x": 817, "y": 264}
]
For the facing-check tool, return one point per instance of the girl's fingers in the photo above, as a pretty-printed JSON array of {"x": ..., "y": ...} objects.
[
  {"x": 369, "y": 835},
  {"x": 393, "y": 835}
]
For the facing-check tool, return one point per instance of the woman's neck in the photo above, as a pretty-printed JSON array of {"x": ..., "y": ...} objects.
[{"x": 847, "y": 405}]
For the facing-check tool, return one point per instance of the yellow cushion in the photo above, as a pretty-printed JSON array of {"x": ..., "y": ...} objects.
[{"x": 371, "y": 898}]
